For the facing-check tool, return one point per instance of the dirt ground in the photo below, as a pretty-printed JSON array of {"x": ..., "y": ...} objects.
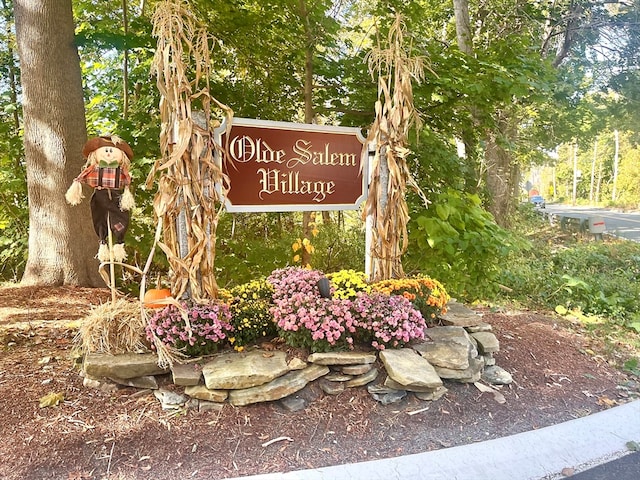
[{"x": 558, "y": 375}]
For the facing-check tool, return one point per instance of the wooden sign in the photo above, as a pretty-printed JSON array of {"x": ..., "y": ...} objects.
[{"x": 281, "y": 166}]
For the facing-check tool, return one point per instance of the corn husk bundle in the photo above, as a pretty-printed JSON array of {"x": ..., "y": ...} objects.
[
  {"x": 192, "y": 184},
  {"x": 395, "y": 115},
  {"x": 113, "y": 327}
]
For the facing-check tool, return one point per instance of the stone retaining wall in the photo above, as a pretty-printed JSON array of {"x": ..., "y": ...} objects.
[{"x": 460, "y": 350}]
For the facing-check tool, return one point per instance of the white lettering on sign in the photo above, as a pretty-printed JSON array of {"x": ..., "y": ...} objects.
[
  {"x": 246, "y": 149},
  {"x": 273, "y": 181},
  {"x": 303, "y": 149}
]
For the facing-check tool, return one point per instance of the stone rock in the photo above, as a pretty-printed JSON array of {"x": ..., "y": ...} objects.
[
  {"x": 203, "y": 393},
  {"x": 338, "y": 377},
  {"x": 126, "y": 365},
  {"x": 482, "y": 327},
  {"x": 186, "y": 374},
  {"x": 193, "y": 404},
  {"x": 293, "y": 404},
  {"x": 90, "y": 382},
  {"x": 147, "y": 381},
  {"x": 487, "y": 342},
  {"x": 278, "y": 388},
  {"x": 489, "y": 360},
  {"x": 391, "y": 383},
  {"x": 460, "y": 316},
  {"x": 356, "y": 369},
  {"x": 363, "y": 379},
  {"x": 470, "y": 375},
  {"x": 296, "y": 364},
  {"x": 451, "y": 347},
  {"x": 170, "y": 400},
  {"x": 409, "y": 369},
  {"x": 386, "y": 395},
  {"x": 235, "y": 370},
  {"x": 331, "y": 388},
  {"x": 204, "y": 406},
  {"x": 496, "y": 376},
  {"x": 342, "y": 358},
  {"x": 432, "y": 396},
  {"x": 448, "y": 334}
]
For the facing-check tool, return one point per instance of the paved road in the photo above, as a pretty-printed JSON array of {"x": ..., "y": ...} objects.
[
  {"x": 625, "y": 225},
  {"x": 624, "y": 468}
]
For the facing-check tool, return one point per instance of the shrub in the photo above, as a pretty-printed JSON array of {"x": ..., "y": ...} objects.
[
  {"x": 250, "y": 316},
  {"x": 310, "y": 321},
  {"x": 426, "y": 294},
  {"x": 251, "y": 320},
  {"x": 253, "y": 290},
  {"x": 290, "y": 281},
  {"x": 387, "y": 320},
  {"x": 348, "y": 283},
  {"x": 458, "y": 239},
  {"x": 304, "y": 319},
  {"x": 194, "y": 330}
]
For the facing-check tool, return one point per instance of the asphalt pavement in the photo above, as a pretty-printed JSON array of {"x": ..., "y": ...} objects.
[{"x": 595, "y": 447}]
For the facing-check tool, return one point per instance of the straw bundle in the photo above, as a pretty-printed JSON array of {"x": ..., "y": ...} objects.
[
  {"x": 114, "y": 327},
  {"x": 192, "y": 184},
  {"x": 390, "y": 175}
]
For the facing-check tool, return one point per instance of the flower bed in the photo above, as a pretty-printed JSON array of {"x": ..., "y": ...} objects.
[{"x": 289, "y": 304}]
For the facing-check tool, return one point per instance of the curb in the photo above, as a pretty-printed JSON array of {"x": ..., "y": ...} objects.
[{"x": 529, "y": 455}]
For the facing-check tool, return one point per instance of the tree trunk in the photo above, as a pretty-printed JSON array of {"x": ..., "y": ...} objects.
[
  {"x": 61, "y": 239},
  {"x": 463, "y": 26},
  {"x": 616, "y": 162},
  {"x": 574, "y": 192},
  {"x": 125, "y": 62},
  {"x": 593, "y": 170},
  {"x": 464, "y": 40},
  {"x": 307, "y": 217},
  {"x": 498, "y": 178}
]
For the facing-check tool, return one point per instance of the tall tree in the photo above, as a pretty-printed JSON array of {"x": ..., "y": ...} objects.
[{"x": 61, "y": 239}]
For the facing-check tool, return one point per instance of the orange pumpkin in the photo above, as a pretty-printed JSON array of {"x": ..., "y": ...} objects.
[{"x": 155, "y": 294}]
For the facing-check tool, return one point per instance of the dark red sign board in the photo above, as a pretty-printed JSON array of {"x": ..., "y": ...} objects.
[{"x": 281, "y": 166}]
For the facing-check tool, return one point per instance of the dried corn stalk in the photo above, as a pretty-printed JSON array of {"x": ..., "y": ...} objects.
[
  {"x": 192, "y": 185},
  {"x": 395, "y": 114}
]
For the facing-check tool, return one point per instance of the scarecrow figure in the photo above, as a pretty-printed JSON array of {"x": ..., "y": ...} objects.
[{"x": 107, "y": 171}]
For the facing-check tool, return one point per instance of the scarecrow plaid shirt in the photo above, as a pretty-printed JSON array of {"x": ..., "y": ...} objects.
[{"x": 105, "y": 177}]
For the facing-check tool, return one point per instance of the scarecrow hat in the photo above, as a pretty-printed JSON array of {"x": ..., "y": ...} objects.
[{"x": 97, "y": 142}]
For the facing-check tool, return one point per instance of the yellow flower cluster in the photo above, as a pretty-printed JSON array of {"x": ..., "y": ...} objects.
[{"x": 348, "y": 283}]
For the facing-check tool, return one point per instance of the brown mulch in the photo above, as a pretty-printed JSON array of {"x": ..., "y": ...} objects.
[{"x": 124, "y": 434}]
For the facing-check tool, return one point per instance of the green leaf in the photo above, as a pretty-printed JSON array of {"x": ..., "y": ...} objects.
[{"x": 443, "y": 211}]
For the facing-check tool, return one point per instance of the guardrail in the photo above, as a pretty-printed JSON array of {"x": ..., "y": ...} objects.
[{"x": 592, "y": 225}]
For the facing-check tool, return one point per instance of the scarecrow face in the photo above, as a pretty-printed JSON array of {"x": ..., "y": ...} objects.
[{"x": 109, "y": 156}]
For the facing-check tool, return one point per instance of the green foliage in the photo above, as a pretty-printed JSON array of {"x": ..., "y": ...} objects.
[
  {"x": 339, "y": 246},
  {"x": 253, "y": 245},
  {"x": 595, "y": 278},
  {"x": 458, "y": 242}
]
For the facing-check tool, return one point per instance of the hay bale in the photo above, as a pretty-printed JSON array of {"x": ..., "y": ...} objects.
[{"x": 113, "y": 327}]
